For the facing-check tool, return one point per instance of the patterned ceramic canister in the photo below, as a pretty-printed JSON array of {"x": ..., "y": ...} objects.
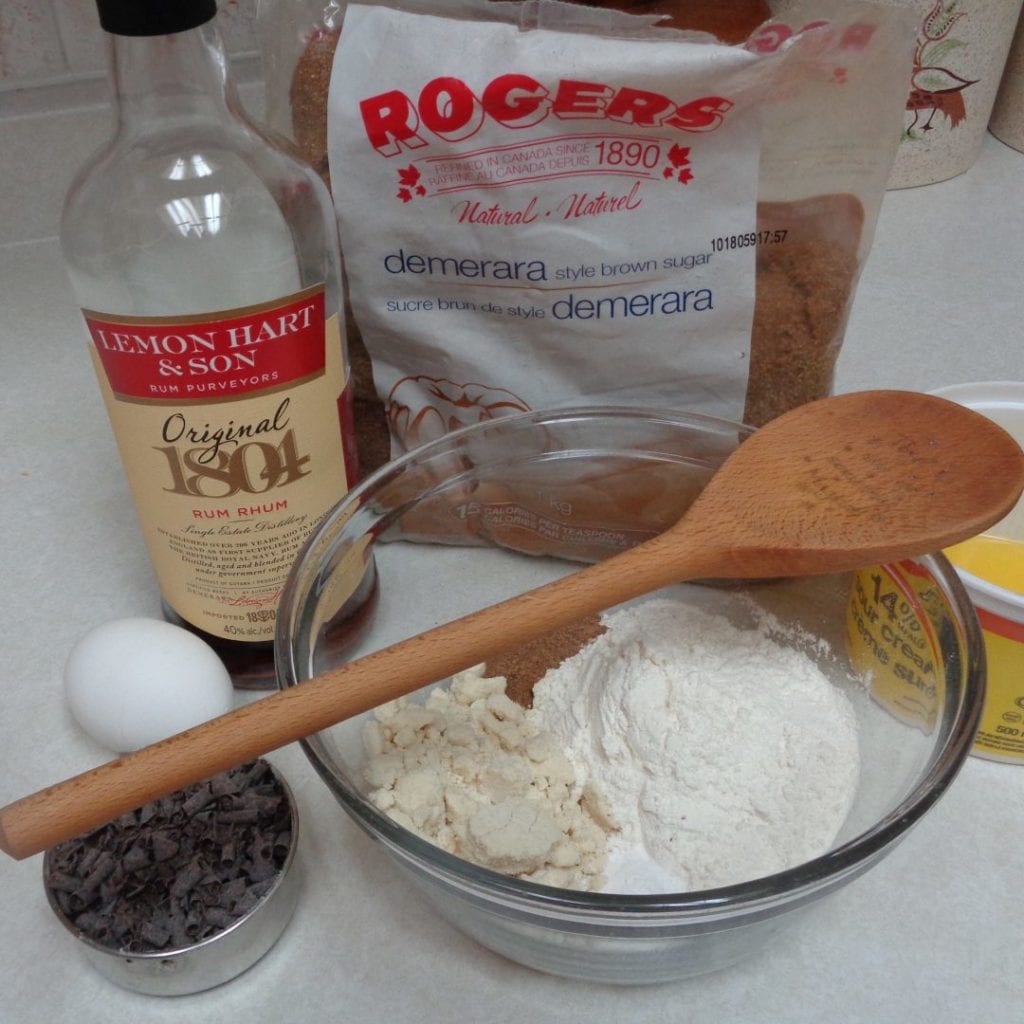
[
  {"x": 1007, "y": 122},
  {"x": 962, "y": 46}
]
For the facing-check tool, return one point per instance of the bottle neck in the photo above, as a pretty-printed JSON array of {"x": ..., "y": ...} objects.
[{"x": 171, "y": 77}]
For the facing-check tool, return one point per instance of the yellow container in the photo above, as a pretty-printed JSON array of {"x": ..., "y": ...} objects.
[
  {"x": 893, "y": 623},
  {"x": 1001, "y": 614},
  {"x": 992, "y": 569}
]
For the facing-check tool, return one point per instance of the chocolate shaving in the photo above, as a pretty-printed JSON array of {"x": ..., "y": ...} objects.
[
  {"x": 243, "y": 815},
  {"x": 89, "y": 857},
  {"x": 231, "y": 894},
  {"x": 154, "y": 934},
  {"x": 136, "y": 858},
  {"x": 186, "y": 880},
  {"x": 177, "y": 870},
  {"x": 164, "y": 847},
  {"x": 218, "y": 917},
  {"x": 198, "y": 800},
  {"x": 62, "y": 883},
  {"x": 253, "y": 895}
]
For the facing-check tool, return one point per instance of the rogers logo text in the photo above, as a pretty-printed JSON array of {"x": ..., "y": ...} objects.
[{"x": 448, "y": 109}]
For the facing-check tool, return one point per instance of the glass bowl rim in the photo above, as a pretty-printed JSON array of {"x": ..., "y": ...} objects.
[{"x": 821, "y": 872}]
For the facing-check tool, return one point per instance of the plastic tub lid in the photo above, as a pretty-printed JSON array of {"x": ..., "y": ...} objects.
[{"x": 1003, "y": 402}]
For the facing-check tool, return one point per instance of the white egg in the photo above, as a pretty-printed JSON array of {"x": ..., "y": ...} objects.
[{"x": 131, "y": 682}]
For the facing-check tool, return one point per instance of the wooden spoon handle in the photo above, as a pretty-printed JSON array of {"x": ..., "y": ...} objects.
[{"x": 84, "y": 802}]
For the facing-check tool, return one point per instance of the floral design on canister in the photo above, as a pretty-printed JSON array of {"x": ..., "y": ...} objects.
[{"x": 937, "y": 90}]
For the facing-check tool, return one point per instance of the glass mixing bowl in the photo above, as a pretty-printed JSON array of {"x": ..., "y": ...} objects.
[{"x": 497, "y": 508}]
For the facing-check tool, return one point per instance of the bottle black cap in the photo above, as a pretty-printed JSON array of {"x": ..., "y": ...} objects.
[{"x": 153, "y": 17}]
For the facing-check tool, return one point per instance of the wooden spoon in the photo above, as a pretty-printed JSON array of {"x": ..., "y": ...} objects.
[{"x": 832, "y": 486}]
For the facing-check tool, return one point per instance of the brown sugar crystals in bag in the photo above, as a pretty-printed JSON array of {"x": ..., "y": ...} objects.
[
  {"x": 803, "y": 287},
  {"x": 308, "y": 97}
]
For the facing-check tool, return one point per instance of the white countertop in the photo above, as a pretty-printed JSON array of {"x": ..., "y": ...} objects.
[{"x": 935, "y": 933}]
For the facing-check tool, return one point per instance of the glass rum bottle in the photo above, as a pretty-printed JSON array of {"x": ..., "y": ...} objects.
[{"x": 205, "y": 259}]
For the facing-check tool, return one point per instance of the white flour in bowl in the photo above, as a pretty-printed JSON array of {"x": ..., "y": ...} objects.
[
  {"x": 674, "y": 752},
  {"x": 717, "y": 752}
]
